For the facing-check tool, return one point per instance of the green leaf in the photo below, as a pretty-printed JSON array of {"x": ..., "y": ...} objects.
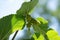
[
  {"x": 43, "y": 24},
  {"x": 42, "y": 27},
  {"x": 16, "y": 23},
  {"x": 27, "y": 7},
  {"x": 53, "y": 35},
  {"x": 37, "y": 34},
  {"x": 41, "y": 19},
  {"x": 8, "y": 25},
  {"x": 5, "y": 26},
  {"x": 39, "y": 38}
]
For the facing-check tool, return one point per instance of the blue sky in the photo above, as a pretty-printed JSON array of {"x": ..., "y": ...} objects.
[{"x": 8, "y": 7}]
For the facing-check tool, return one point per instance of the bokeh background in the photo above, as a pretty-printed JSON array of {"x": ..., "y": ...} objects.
[{"x": 49, "y": 9}]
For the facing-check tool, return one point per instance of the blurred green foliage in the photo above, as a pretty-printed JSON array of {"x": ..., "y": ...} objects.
[
  {"x": 11, "y": 23},
  {"x": 52, "y": 35}
]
